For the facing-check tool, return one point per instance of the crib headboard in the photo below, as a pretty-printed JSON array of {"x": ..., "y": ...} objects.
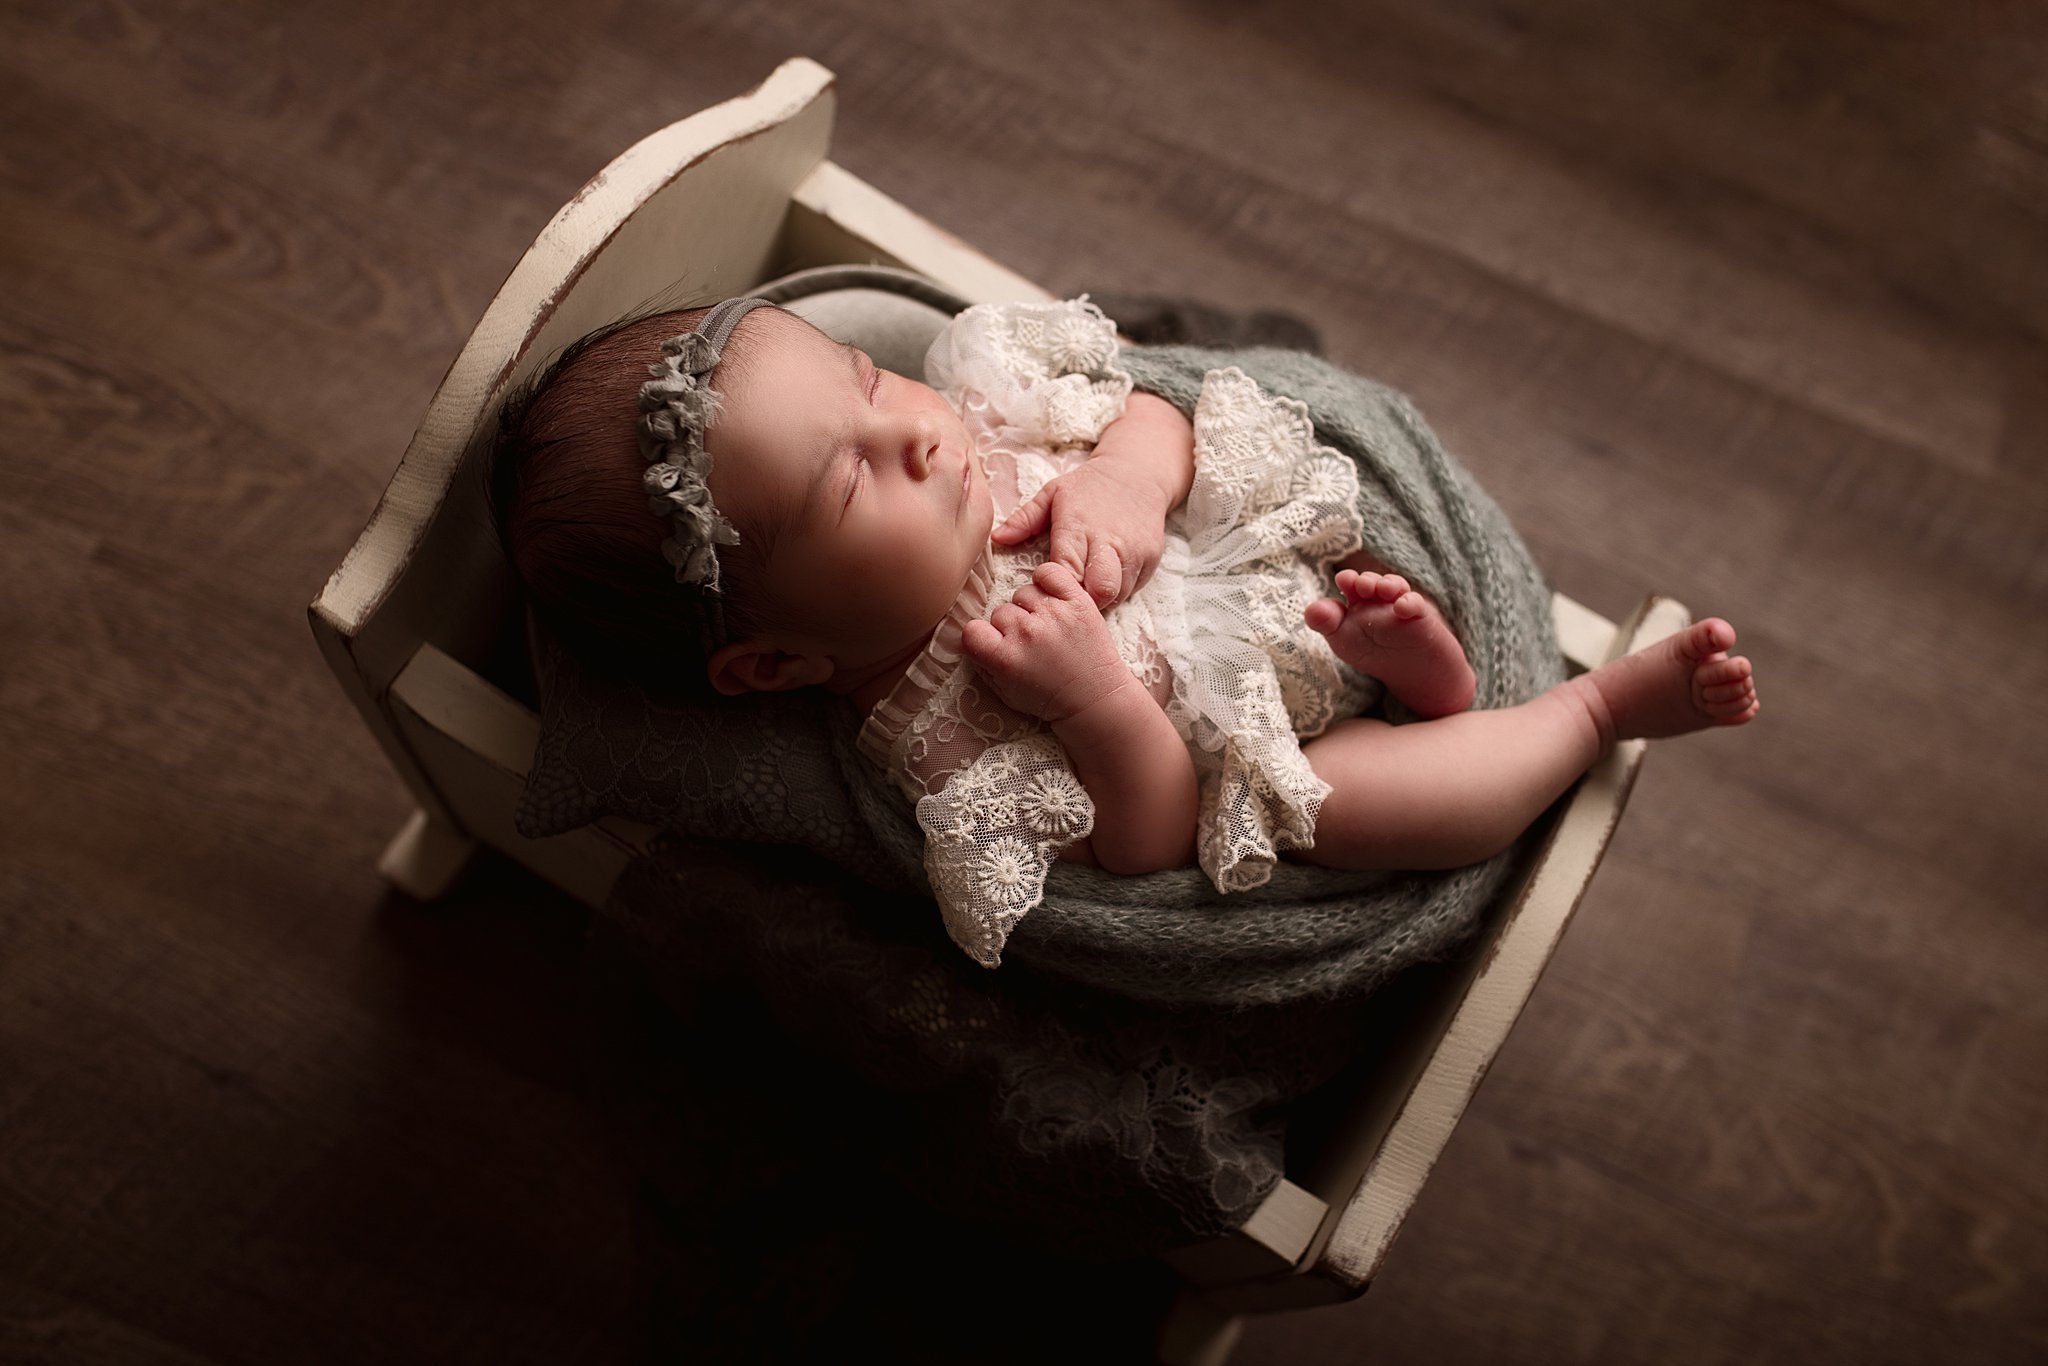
[
  {"x": 708, "y": 206},
  {"x": 698, "y": 206}
]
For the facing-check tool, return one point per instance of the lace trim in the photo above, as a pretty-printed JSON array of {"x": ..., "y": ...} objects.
[
  {"x": 1052, "y": 367},
  {"x": 884, "y": 733},
  {"x": 992, "y": 834}
]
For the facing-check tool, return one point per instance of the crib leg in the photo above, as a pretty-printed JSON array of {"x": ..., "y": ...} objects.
[
  {"x": 1196, "y": 1332},
  {"x": 426, "y": 858}
]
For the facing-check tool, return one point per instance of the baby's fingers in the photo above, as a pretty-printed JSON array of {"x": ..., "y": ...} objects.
[
  {"x": 1056, "y": 579},
  {"x": 1068, "y": 547},
  {"x": 1136, "y": 572},
  {"x": 1028, "y": 520},
  {"x": 980, "y": 640},
  {"x": 1104, "y": 574},
  {"x": 1007, "y": 618}
]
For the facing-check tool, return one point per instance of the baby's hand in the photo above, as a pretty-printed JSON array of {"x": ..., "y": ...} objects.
[
  {"x": 1108, "y": 527},
  {"x": 1047, "y": 651}
]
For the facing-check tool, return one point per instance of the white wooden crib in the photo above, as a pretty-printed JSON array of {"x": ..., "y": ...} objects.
[{"x": 422, "y": 627}]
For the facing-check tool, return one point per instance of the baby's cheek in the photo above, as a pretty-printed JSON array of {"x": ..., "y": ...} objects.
[{"x": 982, "y": 511}]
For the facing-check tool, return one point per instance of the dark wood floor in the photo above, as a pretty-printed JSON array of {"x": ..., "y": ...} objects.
[{"x": 1742, "y": 302}]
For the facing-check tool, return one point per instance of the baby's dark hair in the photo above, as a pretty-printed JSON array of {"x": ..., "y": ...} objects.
[{"x": 565, "y": 493}]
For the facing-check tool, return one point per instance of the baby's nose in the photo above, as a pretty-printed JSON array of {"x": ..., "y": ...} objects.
[{"x": 921, "y": 444}]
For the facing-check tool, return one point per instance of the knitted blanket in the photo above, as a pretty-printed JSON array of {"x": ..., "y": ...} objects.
[{"x": 1122, "y": 1084}]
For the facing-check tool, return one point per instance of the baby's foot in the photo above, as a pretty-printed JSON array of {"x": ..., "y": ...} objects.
[
  {"x": 1682, "y": 683},
  {"x": 1387, "y": 630}
]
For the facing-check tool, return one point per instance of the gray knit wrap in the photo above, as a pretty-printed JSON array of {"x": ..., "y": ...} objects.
[{"x": 1129, "y": 1079}]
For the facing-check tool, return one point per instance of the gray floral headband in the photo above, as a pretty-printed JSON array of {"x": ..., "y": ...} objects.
[{"x": 676, "y": 407}]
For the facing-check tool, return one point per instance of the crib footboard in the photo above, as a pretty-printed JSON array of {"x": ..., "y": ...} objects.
[{"x": 1325, "y": 1232}]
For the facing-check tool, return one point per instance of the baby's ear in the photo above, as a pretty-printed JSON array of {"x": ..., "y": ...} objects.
[{"x": 751, "y": 666}]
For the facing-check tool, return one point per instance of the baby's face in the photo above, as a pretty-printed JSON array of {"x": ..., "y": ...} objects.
[{"x": 880, "y": 503}]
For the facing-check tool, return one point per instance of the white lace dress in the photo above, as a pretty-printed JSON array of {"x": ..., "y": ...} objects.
[{"x": 1216, "y": 634}]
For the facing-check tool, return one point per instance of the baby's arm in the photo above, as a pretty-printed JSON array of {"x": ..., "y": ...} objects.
[
  {"x": 1156, "y": 440},
  {"x": 1108, "y": 518},
  {"x": 1047, "y": 653}
]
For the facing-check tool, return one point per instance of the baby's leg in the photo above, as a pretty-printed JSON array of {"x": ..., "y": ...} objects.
[
  {"x": 1450, "y": 791},
  {"x": 1386, "y": 630},
  {"x": 1446, "y": 792}
]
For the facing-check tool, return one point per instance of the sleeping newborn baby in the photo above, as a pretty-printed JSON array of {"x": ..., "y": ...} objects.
[{"x": 1079, "y": 625}]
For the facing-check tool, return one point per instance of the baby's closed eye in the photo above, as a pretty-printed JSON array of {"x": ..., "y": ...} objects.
[{"x": 855, "y": 479}]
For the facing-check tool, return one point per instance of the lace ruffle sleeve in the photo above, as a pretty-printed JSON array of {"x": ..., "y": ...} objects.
[
  {"x": 1039, "y": 374},
  {"x": 991, "y": 835}
]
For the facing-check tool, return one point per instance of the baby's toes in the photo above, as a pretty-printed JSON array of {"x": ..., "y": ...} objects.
[
  {"x": 1722, "y": 671},
  {"x": 1706, "y": 639},
  {"x": 1324, "y": 615},
  {"x": 1737, "y": 713},
  {"x": 1359, "y": 588},
  {"x": 1392, "y": 587},
  {"x": 1726, "y": 687},
  {"x": 1410, "y": 606}
]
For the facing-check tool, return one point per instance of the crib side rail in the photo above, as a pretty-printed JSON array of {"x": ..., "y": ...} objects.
[{"x": 836, "y": 217}]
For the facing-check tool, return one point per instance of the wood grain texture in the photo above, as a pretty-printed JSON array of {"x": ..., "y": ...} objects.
[{"x": 1744, "y": 302}]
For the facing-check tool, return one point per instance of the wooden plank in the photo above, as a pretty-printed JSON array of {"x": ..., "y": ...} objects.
[
  {"x": 835, "y": 217},
  {"x": 1271, "y": 1242}
]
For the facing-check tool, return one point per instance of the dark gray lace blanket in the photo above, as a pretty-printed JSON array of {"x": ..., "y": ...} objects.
[{"x": 1123, "y": 1083}]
